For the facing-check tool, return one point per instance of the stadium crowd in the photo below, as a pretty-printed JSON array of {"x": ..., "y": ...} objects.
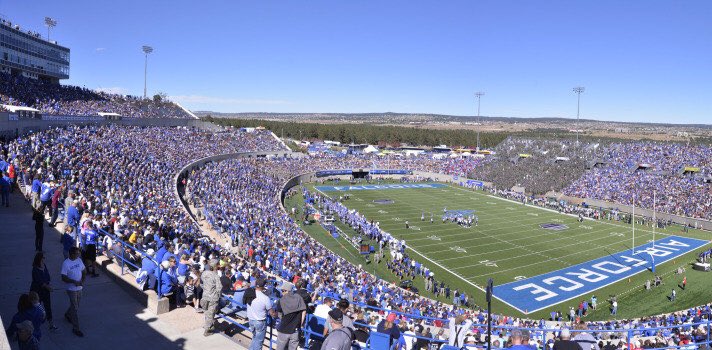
[
  {"x": 115, "y": 179},
  {"x": 537, "y": 165},
  {"x": 636, "y": 170},
  {"x": 293, "y": 255},
  {"x": 271, "y": 239},
  {"x": 120, "y": 179},
  {"x": 55, "y": 99}
]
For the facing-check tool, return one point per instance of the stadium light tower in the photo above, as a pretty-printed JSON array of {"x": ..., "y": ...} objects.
[
  {"x": 578, "y": 90},
  {"x": 146, "y": 50},
  {"x": 478, "y": 94},
  {"x": 50, "y": 23}
]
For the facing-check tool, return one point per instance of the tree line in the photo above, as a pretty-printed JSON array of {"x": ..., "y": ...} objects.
[{"x": 382, "y": 135}]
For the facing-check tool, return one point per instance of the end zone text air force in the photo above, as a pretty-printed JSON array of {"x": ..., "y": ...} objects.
[{"x": 539, "y": 292}]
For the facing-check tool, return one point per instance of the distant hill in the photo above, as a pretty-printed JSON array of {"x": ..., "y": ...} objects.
[{"x": 390, "y": 117}]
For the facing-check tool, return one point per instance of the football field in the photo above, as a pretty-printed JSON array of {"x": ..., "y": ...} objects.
[{"x": 540, "y": 260}]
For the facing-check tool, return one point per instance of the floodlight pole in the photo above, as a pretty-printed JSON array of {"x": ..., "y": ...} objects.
[
  {"x": 146, "y": 50},
  {"x": 578, "y": 90},
  {"x": 50, "y": 23},
  {"x": 478, "y": 94}
]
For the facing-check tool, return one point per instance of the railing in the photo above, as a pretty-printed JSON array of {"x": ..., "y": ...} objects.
[
  {"x": 122, "y": 258},
  {"x": 313, "y": 331}
]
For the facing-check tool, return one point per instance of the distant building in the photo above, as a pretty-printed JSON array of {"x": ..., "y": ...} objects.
[
  {"x": 412, "y": 151},
  {"x": 25, "y": 53},
  {"x": 356, "y": 148},
  {"x": 442, "y": 149}
]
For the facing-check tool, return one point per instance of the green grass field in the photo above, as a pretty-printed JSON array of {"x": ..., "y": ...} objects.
[{"x": 508, "y": 243}]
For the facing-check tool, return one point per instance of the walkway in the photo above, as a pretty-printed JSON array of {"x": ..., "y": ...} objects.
[{"x": 110, "y": 318}]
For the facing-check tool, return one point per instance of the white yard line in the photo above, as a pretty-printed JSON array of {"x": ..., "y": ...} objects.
[
  {"x": 571, "y": 215},
  {"x": 518, "y": 246}
]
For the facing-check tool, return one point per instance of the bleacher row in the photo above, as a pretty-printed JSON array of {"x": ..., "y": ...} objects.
[{"x": 68, "y": 100}]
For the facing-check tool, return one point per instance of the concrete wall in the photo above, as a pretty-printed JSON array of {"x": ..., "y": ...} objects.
[
  {"x": 447, "y": 178},
  {"x": 201, "y": 162},
  {"x": 12, "y": 128}
]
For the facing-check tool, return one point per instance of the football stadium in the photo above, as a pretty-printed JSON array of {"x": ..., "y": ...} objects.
[{"x": 160, "y": 223}]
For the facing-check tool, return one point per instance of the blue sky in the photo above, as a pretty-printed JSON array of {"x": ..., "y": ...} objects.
[{"x": 640, "y": 60}]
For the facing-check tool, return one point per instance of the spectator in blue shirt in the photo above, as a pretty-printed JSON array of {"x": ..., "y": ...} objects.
[
  {"x": 148, "y": 265},
  {"x": 167, "y": 281},
  {"x": 73, "y": 216},
  {"x": 36, "y": 188},
  {"x": 163, "y": 250},
  {"x": 46, "y": 192},
  {"x": 89, "y": 240},
  {"x": 67, "y": 241}
]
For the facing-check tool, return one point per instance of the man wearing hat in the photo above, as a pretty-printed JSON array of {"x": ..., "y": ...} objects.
[
  {"x": 257, "y": 310},
  {"x": 347, "y": 322},
  {"x": 292, "y": 311},
  {"x": 340, "y": 337},
  {"x": 212, "y": 287}
]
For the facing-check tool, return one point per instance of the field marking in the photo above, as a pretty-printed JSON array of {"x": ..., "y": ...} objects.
[
  {"x": 516, "y": 246},
  {"x": 326, "y": 195},
  {"x": 536, "y": 230},
  {"x": 457, "y": 275},
  {"x": 439, "y": 227},
  {"x": 458, "y": 249},
  {"x": 490, "y": 237},
  {"x": 680, "y": 254},
  {"x": 550, "y": 259},
  {"x": 573, "y": 215},
  {"x": 543, "y": 261},
  {"x": 466, "y": 280},
  {"x": 496, "y": 238}
]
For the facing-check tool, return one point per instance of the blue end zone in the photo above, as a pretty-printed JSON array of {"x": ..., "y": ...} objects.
[
  {"x": 376, "y": 187},
  {"x": 539, "y": 292}
]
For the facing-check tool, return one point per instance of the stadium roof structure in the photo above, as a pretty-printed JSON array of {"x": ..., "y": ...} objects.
[{"x": 14, "y": 109}]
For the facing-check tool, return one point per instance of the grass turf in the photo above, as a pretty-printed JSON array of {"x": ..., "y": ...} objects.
[{"x": 508, "y": 243}]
